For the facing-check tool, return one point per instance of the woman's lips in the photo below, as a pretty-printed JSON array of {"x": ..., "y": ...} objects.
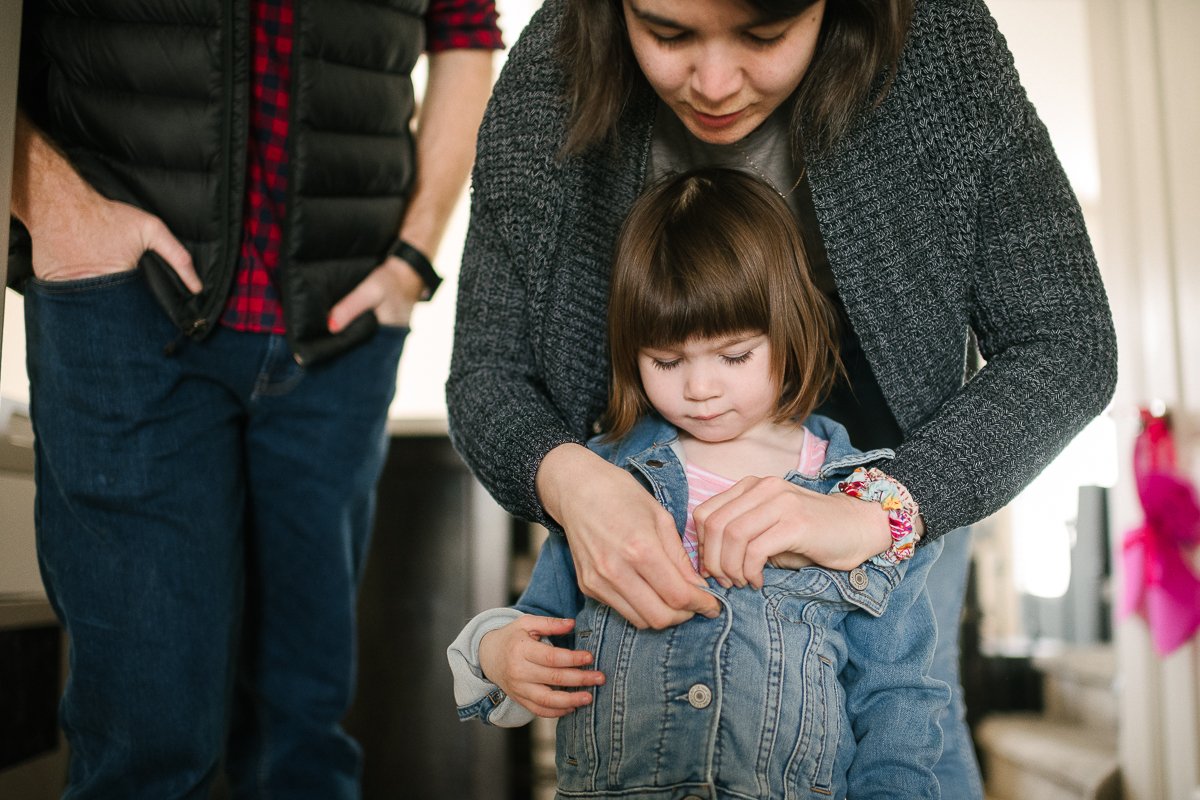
[{"x": 716, "y": 122}]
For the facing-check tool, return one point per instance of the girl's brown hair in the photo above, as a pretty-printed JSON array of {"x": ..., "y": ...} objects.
[
  {"x": 855, "y": 61},
  {"x": 708, "y": 253}
]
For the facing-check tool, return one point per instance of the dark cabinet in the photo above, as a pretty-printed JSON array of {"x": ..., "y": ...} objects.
[{"x": 440, "y": 554}]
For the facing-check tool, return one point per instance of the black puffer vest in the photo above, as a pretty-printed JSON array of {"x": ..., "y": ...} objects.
[{"x": 151, "y": 103}]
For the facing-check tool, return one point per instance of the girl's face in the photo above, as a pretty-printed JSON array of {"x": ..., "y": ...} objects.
[
  {"x": 715, "y": 389},
  {"x": 719, "y": 66}
]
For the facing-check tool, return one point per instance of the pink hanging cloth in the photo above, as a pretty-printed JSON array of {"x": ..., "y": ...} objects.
[{"x": 1160, "y": 583}]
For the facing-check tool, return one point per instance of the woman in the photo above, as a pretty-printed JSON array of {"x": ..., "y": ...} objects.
[{"x": 932, "y": 208}]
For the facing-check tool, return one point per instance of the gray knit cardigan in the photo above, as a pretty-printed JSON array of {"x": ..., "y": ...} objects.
[{"x": 945, "y": 210}]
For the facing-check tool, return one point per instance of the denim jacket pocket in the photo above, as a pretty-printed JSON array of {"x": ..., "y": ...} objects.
[{"x": 867, "y": 586}]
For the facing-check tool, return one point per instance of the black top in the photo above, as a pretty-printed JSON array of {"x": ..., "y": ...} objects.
[{"x": 856, "y": 400}]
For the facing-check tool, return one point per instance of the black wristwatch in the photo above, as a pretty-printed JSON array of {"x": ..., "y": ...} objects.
[{"x": 420, "y": 263}]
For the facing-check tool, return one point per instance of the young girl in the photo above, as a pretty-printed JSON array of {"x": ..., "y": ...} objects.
[{"x": 810, "y": 682}]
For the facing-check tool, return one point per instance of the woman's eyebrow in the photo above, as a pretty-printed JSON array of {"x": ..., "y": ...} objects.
[
  {"x": 654, "y": 19},
  {"x": 666, "y": 22}
]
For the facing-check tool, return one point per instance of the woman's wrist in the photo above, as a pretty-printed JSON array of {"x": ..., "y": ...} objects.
[
  {"x": 902, "y": 513},
  {"x": 553, "y": 479},
  {"x": 872, "y": 523}
]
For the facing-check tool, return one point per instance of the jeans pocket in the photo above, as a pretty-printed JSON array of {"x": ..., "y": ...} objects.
[
  {"x": 90, "y": 283},
  {"x": 400, "y": 331},
  {"x": 96, "y": 366}
]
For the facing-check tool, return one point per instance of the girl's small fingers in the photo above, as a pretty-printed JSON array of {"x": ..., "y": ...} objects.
[
  {"x": 557, "y": 700},
  {"x": 567, "y": 677},
  {"x": 547, "y": 626},
  {"x": 527, "y": 701},
  {"x": 542, "y": 654}
]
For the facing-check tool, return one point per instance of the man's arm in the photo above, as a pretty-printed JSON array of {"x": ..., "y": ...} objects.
[
  {"x": 456, "y": 93},
  {"x": 76, "y": 231}
]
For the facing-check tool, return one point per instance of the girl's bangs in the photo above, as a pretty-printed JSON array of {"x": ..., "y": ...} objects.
[{"x": 712, "y": 300}]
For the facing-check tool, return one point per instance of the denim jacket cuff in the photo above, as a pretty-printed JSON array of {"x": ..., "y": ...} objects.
[{"x": 474, "y": 694}]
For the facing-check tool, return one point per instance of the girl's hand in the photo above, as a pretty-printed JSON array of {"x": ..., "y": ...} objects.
[
  {"x": 627, "y": 551},
  {"x": 769, "y": 518},
  {"x": 528, "y": 669}
]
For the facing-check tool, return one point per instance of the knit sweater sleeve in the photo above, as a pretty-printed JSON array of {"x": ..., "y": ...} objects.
[
  {"x": 502, "y": 419},
  {"x": 1035, "y": 301}
]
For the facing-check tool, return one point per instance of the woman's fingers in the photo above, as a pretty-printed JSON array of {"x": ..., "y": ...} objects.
[
  {"x": 755, "y": 519},
  {"x": 764, "y": 518},
  {"x": 627, "y": 552}
]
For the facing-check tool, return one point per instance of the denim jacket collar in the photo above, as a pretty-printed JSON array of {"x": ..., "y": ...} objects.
[
  {"x": 652, "y": 435},
  {"x": 647, "y": 452}
]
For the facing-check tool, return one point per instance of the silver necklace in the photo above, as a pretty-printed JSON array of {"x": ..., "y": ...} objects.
[{"x": 761, "y": 173}]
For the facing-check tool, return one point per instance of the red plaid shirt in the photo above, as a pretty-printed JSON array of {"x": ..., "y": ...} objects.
[{"x": 254, "y": 302}]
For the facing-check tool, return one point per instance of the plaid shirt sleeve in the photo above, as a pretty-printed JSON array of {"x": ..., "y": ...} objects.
[{"x": 462, "y": 24}]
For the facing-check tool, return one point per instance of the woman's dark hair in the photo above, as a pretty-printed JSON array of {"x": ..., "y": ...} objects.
[
  {"x": 854, "y": 64},
  {"x": 707, "y": 253}
]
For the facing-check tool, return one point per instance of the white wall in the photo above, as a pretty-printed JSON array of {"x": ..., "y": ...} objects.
[{"x": 1149, "y": 115}]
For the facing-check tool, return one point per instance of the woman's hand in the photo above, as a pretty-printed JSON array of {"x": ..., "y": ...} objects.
[
  {"x": 530, "y": 670},
  {"x": 769, "y": 518},
  {"x": 627, "y": 551}
]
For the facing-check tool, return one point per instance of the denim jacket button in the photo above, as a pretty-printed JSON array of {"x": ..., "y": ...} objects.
[
  {"x": 699, "y": 696},
  {"x": 858, "y": 578}
]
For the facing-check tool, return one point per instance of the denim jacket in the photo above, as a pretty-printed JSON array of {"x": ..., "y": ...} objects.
[{"x": 814, "y": 686}]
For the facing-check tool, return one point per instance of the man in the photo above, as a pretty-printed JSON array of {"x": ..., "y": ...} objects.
[{"x": 221, "y": 221}]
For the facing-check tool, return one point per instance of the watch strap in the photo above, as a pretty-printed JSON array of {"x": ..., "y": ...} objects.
[{"x": 420, "y": 264}]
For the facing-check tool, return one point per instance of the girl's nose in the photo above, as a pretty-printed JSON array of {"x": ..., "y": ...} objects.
[{"x": 700, "y": 386}]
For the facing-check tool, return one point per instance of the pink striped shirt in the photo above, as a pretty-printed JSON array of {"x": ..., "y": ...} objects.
[{"x": 703, "y": 484}]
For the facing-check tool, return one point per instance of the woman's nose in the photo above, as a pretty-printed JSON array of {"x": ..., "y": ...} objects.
[{"x": 716, "y": 77}]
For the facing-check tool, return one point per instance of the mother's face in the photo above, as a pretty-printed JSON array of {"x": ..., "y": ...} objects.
[{"x": 719, "y": 64}]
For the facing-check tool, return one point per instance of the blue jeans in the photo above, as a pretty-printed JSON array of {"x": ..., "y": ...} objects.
[
  {"x": 202, "y": 520},
  {"x": 958, "y": 769}
]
